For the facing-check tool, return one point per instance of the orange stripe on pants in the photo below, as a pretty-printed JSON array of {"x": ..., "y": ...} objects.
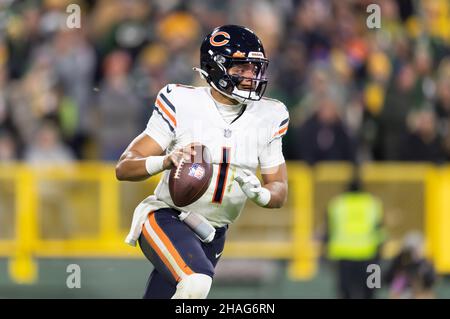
[
  {"x": 170, "y": 247},
  {"x": 160, "y": 254}
]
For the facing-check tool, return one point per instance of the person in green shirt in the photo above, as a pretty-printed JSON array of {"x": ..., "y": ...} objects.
[{"x": 353, "y": 239}]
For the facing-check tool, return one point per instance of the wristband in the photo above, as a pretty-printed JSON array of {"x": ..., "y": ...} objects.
[
  {"x": 154, "y": 164},
  {"x": 263, "y": 197}
]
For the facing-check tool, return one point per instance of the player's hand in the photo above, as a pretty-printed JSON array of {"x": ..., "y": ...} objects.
[
  {"x": 173, "y": 159},
  {"x": 250, "y": 184}
]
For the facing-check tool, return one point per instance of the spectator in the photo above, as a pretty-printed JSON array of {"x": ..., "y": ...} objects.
[
  {"x": 47, "y": 147},
  {"x": 392, "y": 120},
  {"x": 119, "y": 116},
  {"x": 425, "y": 86},
  {"x": 422, "y": 143},
  {"x": 74, "y": 68},
  {"x": 411, "y": 275},
  {"x": 442, "y": 104},
  {"x": 8, "y": 148},
  {"x": 353, "y": 239},
  {"x": 323, "y": 137}
]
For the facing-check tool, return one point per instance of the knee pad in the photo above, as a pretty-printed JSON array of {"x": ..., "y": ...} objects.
[{"x": 195, "y": 286}]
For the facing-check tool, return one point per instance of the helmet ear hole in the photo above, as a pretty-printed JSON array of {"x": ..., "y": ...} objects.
[
  {"x": 223, "y": 83},
  {"x": 219, "y": 59}
]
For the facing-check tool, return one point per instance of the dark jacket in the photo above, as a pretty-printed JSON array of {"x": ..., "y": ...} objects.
[{"x": 316, "y": 141}]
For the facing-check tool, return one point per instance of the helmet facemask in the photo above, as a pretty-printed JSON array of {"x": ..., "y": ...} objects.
[
  {"x": 232, "y": 85},
  {"x": 249, "y": 88}
]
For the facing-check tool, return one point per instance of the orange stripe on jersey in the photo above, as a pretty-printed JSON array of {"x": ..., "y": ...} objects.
[
  {"x": 163, "y": 108},
  {"x": 170, "y": 247},
  {"x": 160, "y": 253},
  {"x": 281, "y": 131}
]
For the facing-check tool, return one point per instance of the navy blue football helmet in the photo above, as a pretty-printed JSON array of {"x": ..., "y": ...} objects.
[{"x": 228, "y": 46}]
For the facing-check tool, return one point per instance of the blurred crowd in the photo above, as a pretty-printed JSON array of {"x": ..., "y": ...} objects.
[{"x": 353, "y": 93}]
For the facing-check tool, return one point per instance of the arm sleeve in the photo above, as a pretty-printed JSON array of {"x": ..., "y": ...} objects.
[
  {"x": 159, "y": 130},
  {"x": 162, "y": 124},
  {"x": 272, "y": 154}
]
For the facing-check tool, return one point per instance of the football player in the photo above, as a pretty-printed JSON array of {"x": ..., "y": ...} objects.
[{"x": 242, "y": 129}]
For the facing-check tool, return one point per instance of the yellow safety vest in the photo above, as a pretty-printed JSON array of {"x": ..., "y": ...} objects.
[{"x": 354, "y": 232}]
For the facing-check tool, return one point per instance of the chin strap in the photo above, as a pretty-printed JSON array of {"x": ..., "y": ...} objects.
[
  {"x": 238, "y": 99},
  {"x": 233, "y": 97}
]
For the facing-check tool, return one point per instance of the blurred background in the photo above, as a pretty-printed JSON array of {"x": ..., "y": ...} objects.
[{"x": 71, "y": 99}]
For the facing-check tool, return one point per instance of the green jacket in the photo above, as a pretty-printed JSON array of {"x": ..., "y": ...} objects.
[{"x": 354, "y": 226}]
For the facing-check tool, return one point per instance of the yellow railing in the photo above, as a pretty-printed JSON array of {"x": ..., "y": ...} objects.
[{"x": 299, "y": 247}]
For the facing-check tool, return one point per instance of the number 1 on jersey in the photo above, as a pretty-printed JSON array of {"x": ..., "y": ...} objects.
[{"x": 222, "y": 176}]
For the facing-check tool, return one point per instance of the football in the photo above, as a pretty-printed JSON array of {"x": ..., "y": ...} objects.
[{"x": 190, "y": 180}]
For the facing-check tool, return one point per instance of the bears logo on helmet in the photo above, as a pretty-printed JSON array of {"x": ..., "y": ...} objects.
[{"x": 213, "y": 41}]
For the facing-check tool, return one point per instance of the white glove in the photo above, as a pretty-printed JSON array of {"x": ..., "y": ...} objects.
[{"x": 251, "y": 186}]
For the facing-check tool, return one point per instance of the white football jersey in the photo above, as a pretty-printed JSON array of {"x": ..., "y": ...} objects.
[{"x": 185, "y": 114}]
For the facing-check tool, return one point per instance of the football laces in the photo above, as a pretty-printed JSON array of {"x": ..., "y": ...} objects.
[{"x": 178, "y": 170}]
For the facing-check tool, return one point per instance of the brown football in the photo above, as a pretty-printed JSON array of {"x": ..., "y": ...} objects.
[{"x": 190, "y": 180}]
